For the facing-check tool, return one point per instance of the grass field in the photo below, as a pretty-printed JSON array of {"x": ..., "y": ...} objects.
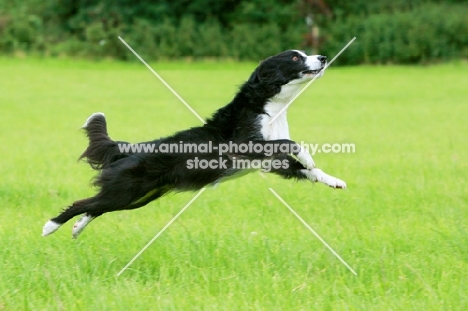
[{"x": 401, "y": 224}]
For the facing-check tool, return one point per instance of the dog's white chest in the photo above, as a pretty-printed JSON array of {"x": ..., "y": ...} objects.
[{"x": 278, "y": 129}]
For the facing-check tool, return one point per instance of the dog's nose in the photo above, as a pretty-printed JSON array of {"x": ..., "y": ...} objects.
[{"x": 322, "y": 59}]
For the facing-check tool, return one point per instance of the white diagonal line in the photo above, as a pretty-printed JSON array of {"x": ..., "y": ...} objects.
[
  {"x": 161, "y": 231},
  {"x": 164, "y": 82},
  {"x": 312, "y": 230},
  {"x": 310, "y": 82}
]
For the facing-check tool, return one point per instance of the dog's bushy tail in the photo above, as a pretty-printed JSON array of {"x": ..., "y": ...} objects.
[{"x": 101, "y": 150}]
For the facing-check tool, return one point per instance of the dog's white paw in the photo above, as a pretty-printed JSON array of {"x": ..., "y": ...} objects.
[
  {"x": 305, "y": 159},
  {"x": 333, "y": 182},
  {"x": 317, "y": 175},
  {"x": 80, "y": 224},
  {"x": 50, "y": 227},
  {"x": 328, "y": 180},
  {"x": 91, "y": 117}
]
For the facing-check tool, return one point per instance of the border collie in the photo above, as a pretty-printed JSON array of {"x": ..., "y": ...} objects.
[{"x": 129, "y": 180}]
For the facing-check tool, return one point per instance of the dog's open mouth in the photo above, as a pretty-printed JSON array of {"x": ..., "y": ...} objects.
[{"x": 312, "y": 71}]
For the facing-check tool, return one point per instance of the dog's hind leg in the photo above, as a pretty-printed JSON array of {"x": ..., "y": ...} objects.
[
  {"x": 81, "y": 223},
  {"x": 103, "y": 202},
  {"x": 78, "y": 207},
  {"x": 107, "y": 200},
  {"x": 50, "y": 227}
]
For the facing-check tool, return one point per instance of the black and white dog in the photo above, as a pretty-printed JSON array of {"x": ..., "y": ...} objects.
[{"x": 129, "y": 180}]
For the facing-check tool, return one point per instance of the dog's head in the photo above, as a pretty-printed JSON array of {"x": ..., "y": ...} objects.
[{"x": 289, "y": 67}]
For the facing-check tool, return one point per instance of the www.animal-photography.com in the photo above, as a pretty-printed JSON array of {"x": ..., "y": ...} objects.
[{"x": 220, "y": 155}]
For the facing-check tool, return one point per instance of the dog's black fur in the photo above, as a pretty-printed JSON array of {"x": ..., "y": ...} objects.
[{"x": 131, "y": 180}]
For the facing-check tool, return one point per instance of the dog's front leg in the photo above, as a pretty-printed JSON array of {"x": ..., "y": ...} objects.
[
  {"x": 292, "y": 168},
  {"x": 304, "y": 157},
  {"x": 279, "y": 145},
  {"x": 315, "y": 174}
]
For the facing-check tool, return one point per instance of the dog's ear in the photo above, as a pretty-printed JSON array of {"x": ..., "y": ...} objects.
[{"x": 269, "y": 74}]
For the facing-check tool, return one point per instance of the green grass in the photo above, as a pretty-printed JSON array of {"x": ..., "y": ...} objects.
[{"x": 401, "y": 224}]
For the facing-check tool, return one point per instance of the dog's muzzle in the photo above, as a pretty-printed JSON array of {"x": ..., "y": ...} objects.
[{"x": 316, "y": 71}]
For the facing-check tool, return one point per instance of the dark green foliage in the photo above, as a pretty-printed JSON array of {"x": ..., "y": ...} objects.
[
  {"x": 430, "y": 32},
  {"x": 396, "y": 31}
]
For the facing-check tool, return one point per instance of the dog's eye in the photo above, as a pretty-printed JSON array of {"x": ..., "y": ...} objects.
[{"x": 295, "y": 58}]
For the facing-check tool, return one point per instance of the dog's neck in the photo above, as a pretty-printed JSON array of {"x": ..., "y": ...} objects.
[
  {"x": 278, "y": 129},
  {"x": 287, "y": 93}
]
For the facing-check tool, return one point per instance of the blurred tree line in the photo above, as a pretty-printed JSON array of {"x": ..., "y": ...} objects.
[{"x": 387, "y": 31}]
